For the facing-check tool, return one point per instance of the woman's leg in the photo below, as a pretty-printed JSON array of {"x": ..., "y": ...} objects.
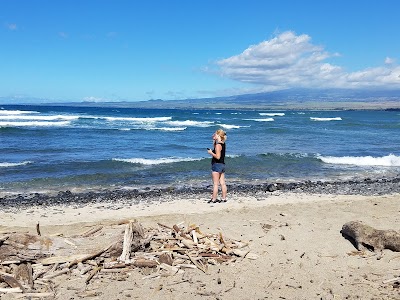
[
  {"x": 223, "y": 185},
  {"x": 216, "y": 180}
]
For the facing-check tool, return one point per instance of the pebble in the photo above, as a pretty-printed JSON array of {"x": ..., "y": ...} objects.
[{"x": 365, "y": 187}]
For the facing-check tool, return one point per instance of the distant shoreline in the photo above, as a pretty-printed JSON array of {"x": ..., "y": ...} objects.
[
  {"x": 215, "y": 105},
  {"x": 287, "y": 99}
]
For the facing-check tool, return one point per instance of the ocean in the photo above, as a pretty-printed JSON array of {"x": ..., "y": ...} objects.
[{"x": 58, "y": 148}]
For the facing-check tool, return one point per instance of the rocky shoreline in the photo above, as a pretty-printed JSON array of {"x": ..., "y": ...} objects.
[{"x": 365, "y": 187}]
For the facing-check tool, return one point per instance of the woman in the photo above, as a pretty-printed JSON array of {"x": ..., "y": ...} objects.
[{"x": 218, "y": 165}]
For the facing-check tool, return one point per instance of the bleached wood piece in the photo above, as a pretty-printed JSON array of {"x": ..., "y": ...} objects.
[
  {"x": 188, "y": 243},
  {"x": 85, "y": 270},
  {"x": 186, "y": 266},
  {"x": 138, "y": 228},
  {"x": 198, "y": 264},
  {"x": 61, "y": 259},
  {"x": 142, "y": 263},
  {"x": 128, "y": 238},
  {"x": 194, "y": 235},
  {"x": 92, "y": 273},
  {"x": 92, "y": 231},
  {"x": 10, "y": 262},
  {"x": 391, "y": 280},
  {"x": 165, "y": 226},
  {"x": 121, "y": 270},
  {"x": 241, "y": 253},
  {"x": 34, "y": 295},
  {"x": 10, "y": 290},
  {"x": 55, "y": 274},
  {"x": 41, "y": 270},
  {"x": 90, "y": 256}
]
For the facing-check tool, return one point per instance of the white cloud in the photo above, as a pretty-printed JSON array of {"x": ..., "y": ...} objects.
[
  {"x": 389, "y": 60},
  {"x": 11, "y": 26},
  {"x": 289, "y": 60},
  {"x": 94, "y": 99}
]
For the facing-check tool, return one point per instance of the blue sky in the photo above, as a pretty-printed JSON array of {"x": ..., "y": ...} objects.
[{"x": 114, "y": 50}]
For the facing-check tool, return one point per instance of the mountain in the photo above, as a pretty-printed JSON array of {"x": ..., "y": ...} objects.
[{"x": 283, "y": 99}]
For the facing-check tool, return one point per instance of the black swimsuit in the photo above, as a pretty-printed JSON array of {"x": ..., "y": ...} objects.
[{"x": 221, "y": 160}]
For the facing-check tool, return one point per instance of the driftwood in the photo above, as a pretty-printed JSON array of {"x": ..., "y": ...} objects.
[
  {"x": 38, "y": 229},
  {"x": 128, "y": 238},
  {"x": 367, "y": 237},
  {"x": 29, "y": 264},
  {"x": 11, "y": 281},
  {"x": 92, "y": 231}
]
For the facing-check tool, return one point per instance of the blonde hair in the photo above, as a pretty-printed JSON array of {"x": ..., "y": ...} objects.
[{"x": 221, "y": 134}]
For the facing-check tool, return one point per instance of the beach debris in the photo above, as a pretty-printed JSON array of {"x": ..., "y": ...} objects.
[
  {"x": 31, "y": 264},
  {"x": 266, "y": 227},
  {"x": 38, "y": 229},
  {"x": 366, "y": 237}
]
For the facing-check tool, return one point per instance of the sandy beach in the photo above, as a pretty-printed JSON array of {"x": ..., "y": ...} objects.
[{"x": 295, "y": 237}]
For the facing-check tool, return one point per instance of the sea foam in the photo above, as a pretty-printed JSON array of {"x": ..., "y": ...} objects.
[
  {"x": 16, "y": 112},
  {"x": 261, "y": 120},
  {"x": 390, "y": 160},
  {"x": 145, "y": 120},
  {"x": 156, "y": 161},
  {"x": 33, "y": 124},
  {"x": 38, "y": 118}
]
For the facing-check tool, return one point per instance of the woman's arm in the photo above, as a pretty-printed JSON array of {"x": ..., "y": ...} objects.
[{"x": 218, "y": 149}]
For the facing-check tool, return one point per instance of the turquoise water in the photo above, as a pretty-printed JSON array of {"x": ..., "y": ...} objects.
[{"x": 58, "y": 148}]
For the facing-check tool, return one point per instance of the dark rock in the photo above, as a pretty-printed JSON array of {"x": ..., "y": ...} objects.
[{"x": 271, "y": 187}]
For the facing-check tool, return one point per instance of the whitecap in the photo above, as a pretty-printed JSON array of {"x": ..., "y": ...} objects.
[
  {"x": 326, "y": 119},
  {"x": 390, "y": 160},
  {"x": 33, "y": 124},
  {"x": 156, "y": 161},
  {"x": 16, "y": 112},
  {"x": 191, "y": 123},
  {"x": 142, "y": 120},
  {"x": 7, "y": 164},
  {"x": 227, "y": 126},
  {"x": 170, "y": 128},
  {"x": 261, "y": 120},
  {"x": 272, "y": 114},
  {"x": 38, "y": 118}
]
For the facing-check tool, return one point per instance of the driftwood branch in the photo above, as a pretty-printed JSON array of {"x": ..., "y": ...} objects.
[
  {"x": 11, "y": 281},
  {"x": 92, "y": 273},
  {"x": 92, "y": 231},
  {"x": 90, "y": 256},
  {"x": 364, "y": 236}
]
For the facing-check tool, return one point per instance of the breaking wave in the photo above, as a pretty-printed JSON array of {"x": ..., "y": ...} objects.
[{"x": 390, "y": 160}]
